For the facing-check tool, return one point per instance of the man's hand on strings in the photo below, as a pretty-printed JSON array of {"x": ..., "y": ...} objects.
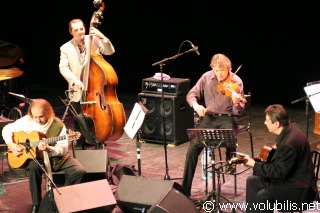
[
  {"x": 78, "y": 85},
  {"x": 95, "y": 32},
  {"x": 200, "y": 110},
  {"x": 43, "y": 146},
  {"x": 15, "y": 149}
]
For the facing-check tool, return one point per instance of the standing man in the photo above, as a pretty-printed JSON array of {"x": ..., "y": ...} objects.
[
  {"x": 41, "y": 118},
  {"x": 288, "y": 180},
  {"x": 218, "y": 111},
  {"x": 75, "y": 57}
]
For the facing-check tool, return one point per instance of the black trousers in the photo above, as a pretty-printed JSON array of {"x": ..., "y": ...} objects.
[
  {"x": 263, "y": 196},
  {"x": 195, "y": 148},
  {"x": 259, "y": 195},
  {"x": 74, "y": 173}
]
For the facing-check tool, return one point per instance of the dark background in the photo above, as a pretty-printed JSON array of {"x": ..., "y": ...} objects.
[{"x": 277, "y": 46}]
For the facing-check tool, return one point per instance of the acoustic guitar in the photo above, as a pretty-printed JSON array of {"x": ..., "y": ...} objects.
[
  {"x": 29, "y": 143},
  {"x": 265, "y": 155}
]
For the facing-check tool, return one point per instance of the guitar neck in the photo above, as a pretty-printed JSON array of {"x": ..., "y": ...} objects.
[
  {"x": 265, "y": 155},
  {"x": 239, "y": 160},
  {"x": 49, "y": 141},
  {"x": 244, "y": 160}
]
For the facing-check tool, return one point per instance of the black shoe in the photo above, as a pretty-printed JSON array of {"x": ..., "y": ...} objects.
[{"x": 34, "y": 209}]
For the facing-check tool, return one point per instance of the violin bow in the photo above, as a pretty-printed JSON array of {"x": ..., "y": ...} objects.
[{"x": 238, "y": 69}]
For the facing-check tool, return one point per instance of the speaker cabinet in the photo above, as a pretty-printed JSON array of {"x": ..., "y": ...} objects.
[
  {"x": 95, "y": 196},
  {"x": 178, "y": 117},
  {"x": 174, "y": 201},
  {"x": 137, "y": 194},
  {"x": 93, "y": 161}
]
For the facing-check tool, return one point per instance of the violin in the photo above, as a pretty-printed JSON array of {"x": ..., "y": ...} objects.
[{"x": 228, "y": 86}]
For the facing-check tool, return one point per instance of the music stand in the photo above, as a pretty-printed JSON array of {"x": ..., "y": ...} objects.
[
  {"x": 210, "y": 137},
  {"x": 313, "y": 94},
  {"x": 213, "y": 138},
  {"x": 132, "y": 127}
]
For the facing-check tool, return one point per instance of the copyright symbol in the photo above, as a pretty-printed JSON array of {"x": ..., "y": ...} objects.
[{"x": 208, "y": 206}]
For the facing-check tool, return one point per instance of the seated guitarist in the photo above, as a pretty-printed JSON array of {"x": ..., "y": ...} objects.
[
  {"x": 41, "y": 118},
  {"x": 287, "y": 180}
]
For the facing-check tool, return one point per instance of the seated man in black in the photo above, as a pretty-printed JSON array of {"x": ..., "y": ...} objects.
[{"x": 287, "y": 180}]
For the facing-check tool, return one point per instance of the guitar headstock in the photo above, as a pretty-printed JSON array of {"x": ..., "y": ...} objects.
[{"x": 72, "y": 136}]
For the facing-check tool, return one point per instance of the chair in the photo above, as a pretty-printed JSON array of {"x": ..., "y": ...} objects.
[
  {"x": 245, "y": 127},
  {"x": 14, "y": 113},
  {"x": 4, "y": 149},
  {"x": 244, "y": 124}
]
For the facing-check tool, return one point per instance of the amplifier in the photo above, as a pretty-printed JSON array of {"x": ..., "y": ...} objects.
[{"x": 173, "y": 86}]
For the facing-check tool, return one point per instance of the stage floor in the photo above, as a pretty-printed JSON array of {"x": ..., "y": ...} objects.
[{"x": 155, "y": 161}]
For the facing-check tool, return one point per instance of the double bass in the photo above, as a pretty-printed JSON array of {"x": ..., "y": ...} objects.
[{"x": 99, "y": 98}]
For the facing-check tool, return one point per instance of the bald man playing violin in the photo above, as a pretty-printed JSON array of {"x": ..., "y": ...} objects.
[{"x": 219, "y": 110}]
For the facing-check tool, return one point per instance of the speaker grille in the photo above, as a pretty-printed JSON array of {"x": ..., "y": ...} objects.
[{"x": 178, "y": 117}]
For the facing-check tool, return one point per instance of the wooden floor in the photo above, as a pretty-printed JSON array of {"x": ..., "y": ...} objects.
[{"x": 155, "y": 162}]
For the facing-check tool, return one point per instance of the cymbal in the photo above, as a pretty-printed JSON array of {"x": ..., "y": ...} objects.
[{"x": 6, "y": 74}]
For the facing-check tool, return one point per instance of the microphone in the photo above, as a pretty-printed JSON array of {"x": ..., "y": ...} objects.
[
  {"x": 195, "y": 48},
  {"x": 22, "y": 97}
]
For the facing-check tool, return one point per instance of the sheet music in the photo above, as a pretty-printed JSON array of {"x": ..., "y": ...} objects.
[
  {"x": 135, "y": 120},
  {"x": 313, "y": 92}
]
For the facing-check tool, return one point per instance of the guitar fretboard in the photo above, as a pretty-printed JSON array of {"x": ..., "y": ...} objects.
[{"x": 55, "y": 139}]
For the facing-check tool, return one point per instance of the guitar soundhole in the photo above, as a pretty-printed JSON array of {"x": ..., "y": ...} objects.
[{"x": 27, "y": 145}]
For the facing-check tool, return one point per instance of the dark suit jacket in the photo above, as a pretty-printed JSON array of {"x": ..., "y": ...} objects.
[{"x": 290, "y": 170}]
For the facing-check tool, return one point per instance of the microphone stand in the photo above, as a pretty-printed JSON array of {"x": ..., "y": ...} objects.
[
  {"x": 306, "y": 98},
  {"x": 172, "y": 57},
  {"x": 161, "y": 64},
  {"x": 138, "y": 151},
  {"x": 73, "y": 111},
  {"x": 65, "y": 112},
  {"x": 47, "y": 176},
  {"x": 22, "y": 97}
]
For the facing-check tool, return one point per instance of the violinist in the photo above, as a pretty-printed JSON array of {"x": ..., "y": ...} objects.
[
  {"x": 218, "y": 111},
  {"x": 74, "y": 59}
]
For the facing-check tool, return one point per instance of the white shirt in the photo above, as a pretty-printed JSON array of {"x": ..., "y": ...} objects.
[{"x": 27, "y": 125}]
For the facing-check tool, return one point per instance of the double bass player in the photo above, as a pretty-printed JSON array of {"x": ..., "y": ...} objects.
[{"x": 74, "y": 59}]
